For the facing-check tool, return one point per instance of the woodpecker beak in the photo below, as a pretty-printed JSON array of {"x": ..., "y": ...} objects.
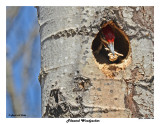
[{"x": 111, "y": 47}]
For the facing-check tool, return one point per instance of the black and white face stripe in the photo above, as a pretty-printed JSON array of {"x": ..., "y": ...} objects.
[
  {"x": 107, "y": 44},
  {"x": 111, "y": 47}
]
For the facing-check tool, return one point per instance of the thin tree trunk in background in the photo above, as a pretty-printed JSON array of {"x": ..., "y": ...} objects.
[{"x": 74, "y": 85}]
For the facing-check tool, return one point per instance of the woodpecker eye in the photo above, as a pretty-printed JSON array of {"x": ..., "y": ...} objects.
[{"x": 110, "y": 32}]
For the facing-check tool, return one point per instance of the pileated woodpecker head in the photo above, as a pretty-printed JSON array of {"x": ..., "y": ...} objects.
[{"x": 108, "y": 38}]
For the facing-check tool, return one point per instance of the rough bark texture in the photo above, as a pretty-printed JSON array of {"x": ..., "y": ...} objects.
[{"x": 72, "y": 83}]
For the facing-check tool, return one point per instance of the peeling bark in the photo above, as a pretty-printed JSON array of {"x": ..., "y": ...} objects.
[{"x": 72, "y": 83}]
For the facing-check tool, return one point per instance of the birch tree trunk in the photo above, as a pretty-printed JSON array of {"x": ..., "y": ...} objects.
[{"x": 75, "y": 83}]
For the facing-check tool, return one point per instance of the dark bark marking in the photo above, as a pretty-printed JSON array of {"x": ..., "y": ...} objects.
[
  {"x": 130, "y": 103},
  {"x": 82, "y": 83}
]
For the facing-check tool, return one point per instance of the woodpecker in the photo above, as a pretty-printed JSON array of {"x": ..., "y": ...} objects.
[{"x": 107, "y": 38}]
